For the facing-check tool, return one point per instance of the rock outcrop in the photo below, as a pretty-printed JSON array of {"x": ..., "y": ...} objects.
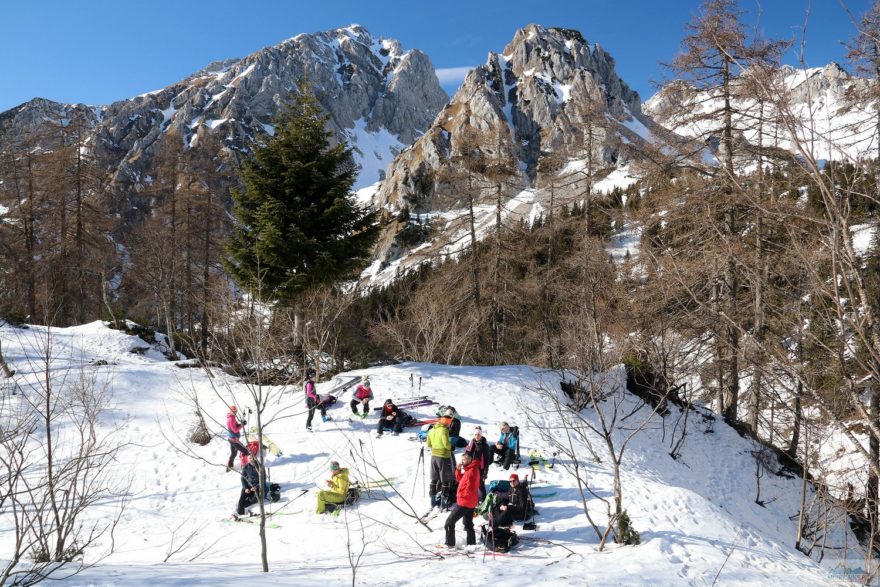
[
  {"x": 535, "y": 96},
  {"x": 379, "y": 97}
]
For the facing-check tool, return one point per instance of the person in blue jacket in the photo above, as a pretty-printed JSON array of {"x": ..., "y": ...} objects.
[{"x": 505, "y": 447}]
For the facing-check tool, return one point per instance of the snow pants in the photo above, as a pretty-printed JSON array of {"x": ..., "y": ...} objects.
[
  {"x": 442, "y": 476},
  {"x": 460, "y": 513},
  {"x": 325, "y": 497}
]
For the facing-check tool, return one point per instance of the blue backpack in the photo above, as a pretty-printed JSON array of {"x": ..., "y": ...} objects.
[{"x": 499, "y": 485}]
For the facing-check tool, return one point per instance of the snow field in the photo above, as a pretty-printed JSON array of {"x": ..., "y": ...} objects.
[{"x": 697, "y": 515}]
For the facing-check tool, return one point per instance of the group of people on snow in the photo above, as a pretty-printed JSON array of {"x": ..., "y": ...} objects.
[{"x": 457, "y": 488}]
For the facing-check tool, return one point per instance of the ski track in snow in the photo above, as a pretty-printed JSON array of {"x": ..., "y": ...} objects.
[{"x": 696, "y": 515}]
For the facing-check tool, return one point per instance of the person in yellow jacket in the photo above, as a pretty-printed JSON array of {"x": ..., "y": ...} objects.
[
  {"x": 442, "y": 465},
  {"x": 338, "y": 491}
]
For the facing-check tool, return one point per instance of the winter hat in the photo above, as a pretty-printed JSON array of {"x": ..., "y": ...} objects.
[
  {"x": 389, "y": 401},
  {"x": 233, "y": 409},
  {"x": 334, "y": 466},
  {"x": 513, "y": 477},
  {"x": 366, "y": 383}
]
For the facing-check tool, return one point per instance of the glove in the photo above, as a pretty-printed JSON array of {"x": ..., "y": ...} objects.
[{"x": 244, "y": 422}]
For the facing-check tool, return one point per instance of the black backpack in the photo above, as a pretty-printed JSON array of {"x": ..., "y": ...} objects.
[
  {"x": 514, "y": 431},
  {"x": 352, "y": 497},
  {"x": 499, "y": 539}
]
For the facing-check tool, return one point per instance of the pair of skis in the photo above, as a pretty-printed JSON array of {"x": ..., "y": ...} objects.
[{"x": 411, "y": 403}]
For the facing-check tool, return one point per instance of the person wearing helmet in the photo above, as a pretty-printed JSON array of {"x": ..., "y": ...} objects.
[
  {"x": 455, "y": 438},
  {"x": 362, "y": 395},
  {"x": 233, "y": 435}
]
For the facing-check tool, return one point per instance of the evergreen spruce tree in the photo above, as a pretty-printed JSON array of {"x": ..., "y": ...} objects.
[{"x": 297, "y": 225}]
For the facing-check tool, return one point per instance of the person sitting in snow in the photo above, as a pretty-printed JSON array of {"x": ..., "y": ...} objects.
[
  {"x": 233, "y": 435},
  {"x": 362, "y": 395},
  {"x": 514, "y": 506},
  {"x": 390, "y": 418},
  {"x": 338, "y": 491},
  {"x": 505, "y": 448},
  {"x": 313, "y": 400}
]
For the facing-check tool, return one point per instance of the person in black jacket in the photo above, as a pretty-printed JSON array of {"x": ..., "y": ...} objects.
[
  {"x": 391, "y": 418},
  {"x": 250, "y": 483},
  {"x": 455, "y": 438},
  {"x": 480, "y": 451},
  {"x": 514, "y": 506}
]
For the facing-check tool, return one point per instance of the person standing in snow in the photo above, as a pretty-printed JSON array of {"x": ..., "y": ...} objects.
[
  {"x": 362, "y": 395},
  {"x": 233, "y": 435},
  {"x": 313, "y": 400},
  {"x": 479, "y": 450},
  {"x": 441, "y": 463},
  {"x": 338, "y": 484},
  {"x": 468, "y": 476}
]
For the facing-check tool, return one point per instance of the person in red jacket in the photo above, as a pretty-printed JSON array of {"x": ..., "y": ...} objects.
[{"x": 468, "y": 476}]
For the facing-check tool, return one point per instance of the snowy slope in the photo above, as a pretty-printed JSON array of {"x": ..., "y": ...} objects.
[{"x": 697, "y": 515}]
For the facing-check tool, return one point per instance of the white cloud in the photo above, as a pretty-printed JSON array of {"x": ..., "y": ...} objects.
[{"x": 452, "y": 75}]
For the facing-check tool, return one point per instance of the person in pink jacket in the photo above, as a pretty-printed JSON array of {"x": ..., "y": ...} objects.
[{"x": 233, "y": 435}]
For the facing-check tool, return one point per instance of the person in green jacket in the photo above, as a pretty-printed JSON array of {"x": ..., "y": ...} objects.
[
  {"x": 338, "y": 491},
  {"x": 442, "y": 464}
]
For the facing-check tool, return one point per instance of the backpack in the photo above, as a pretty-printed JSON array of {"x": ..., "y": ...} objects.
[
  {"x": 352, "y": 497},
  {"x": 499, "y": 485},
  {"x": 514, "y": 431},
  {"x": 488, "y": 504},
  {"x": 274, "y": 492},
  {"x": 498, "y": 539}
]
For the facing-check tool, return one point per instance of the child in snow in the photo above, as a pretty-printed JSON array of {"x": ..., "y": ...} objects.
[
  {"x": 468, "y": 476},
  {"x": 338, "y": 491},
  {"x": 362, "y": 395},
  {"x": 233, "y": 435}
]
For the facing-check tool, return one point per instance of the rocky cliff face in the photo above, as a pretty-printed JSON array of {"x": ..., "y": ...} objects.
[
  {"x": 539, "y": 95},
  {"x": 818, "y": 101},
  {"x": 535, "y": 96},
  {"x": 379, "y": 97}
]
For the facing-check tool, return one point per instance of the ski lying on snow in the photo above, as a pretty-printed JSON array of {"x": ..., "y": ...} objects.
[{"x": 249, "y": 520}]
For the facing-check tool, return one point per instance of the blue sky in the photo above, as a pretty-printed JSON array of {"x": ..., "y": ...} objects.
[{"x": 99, "y": 51}]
